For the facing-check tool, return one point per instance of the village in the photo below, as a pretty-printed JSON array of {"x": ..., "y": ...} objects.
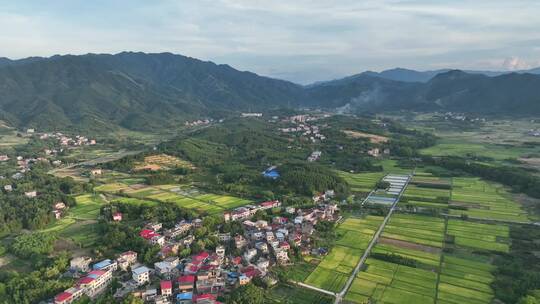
[
  {"x": 47, "y": 156},
  {"x": 204, "y": 276}
]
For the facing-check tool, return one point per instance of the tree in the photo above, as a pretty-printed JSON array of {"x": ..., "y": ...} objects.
[
  {"x": 27, "y": 245},
  {"x": 132, "y": 300},
  {"x": 382, "y": 184},
  {"x": 247, "y": 294}
]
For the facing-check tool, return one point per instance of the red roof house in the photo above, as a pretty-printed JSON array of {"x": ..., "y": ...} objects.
[
  {"x": 200, "y": 258},
  {"x": 185, "y": 283},
  {"x": 206, "y": 298},
  {"x": 62, "y": 298},
  {"x": 148, "y": 234},
  {"x": 166, "y": 288}
]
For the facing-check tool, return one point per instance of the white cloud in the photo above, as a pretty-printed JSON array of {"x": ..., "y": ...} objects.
[
  {"x": 301, "y": 40},
  {"x": 514, "y": 64}
]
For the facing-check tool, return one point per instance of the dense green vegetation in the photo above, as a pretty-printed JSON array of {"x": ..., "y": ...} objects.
[
  {"x": 520, "y": 180},
  {"x": 27, "y": 245},
  {"x": 18, "y": 211},
  {"x": 518, "y": 271}
]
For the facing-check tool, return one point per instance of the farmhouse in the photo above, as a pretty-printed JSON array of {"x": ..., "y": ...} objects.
[
  {"x": 95, "y": 172},
  {"x": 166, "y": 288},
  {"x": 30, "y": 194},
  {"x": 186, "y": 283},
  {"x": 90, "y": 285},
  {"x": 68, "y": 296},
  {"x": 105, "y": 265},
  {"x": 141, "y": 275},
  {"x": 126, "y": 259}
]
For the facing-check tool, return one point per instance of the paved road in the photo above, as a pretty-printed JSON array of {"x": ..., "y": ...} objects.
[{"x": 339, "y": 296}]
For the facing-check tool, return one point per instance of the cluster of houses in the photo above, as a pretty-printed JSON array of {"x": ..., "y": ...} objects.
[
  {"x": 203, "y": 276},
  {"x": 92, "y": 283},
  {"x": 312, "y": 132},
  {"x": 251, "y": 114},
  {"x": 376, "y": 152},
  {"x": 198, "y": 122},
  {"x": 246, "y": 212},
  {"x": 462, "y": 117},
  {"x": 67, "y": 141},
  {"x": 315, "y": 155},
  {"x": 303, "y": 118}
]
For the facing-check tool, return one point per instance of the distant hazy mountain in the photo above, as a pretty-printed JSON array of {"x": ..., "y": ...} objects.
[
  {"x": 4, "y": 61},
  {"x": 152, "y": 91},
  {"x": 515, "y": 93},
  {"x": 406, "y": 75}
]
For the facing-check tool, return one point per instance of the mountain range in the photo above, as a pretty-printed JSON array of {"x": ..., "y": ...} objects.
[{"x": 142, "y": 91}]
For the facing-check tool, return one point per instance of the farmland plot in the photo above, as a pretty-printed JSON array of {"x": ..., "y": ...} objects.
[
  {"x": 493, "y": 237},
  {"x": 392, "y": 283},
  {"x": 354, "y": 235},
  {"x": 361, "y": 182},
  {"x": 485, "y": 200}
]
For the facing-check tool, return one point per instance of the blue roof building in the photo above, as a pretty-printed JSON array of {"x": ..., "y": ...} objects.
[
  {"x": 272, "y": 173},
  {"x": 101, "y": 265},
  {"x": 184, "y": 296}
]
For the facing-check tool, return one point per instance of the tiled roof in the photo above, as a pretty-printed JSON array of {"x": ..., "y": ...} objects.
[
  {"x": 186, "y": 279},
  {"x": 86, "y": 280},
  {"x": 166, "y": 285},
  {"x": 62, "y": 296}
]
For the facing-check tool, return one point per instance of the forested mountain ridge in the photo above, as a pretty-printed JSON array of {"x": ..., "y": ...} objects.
[
  {"x": 132, "y": 90},
  {"x": 139, "y": 91}
]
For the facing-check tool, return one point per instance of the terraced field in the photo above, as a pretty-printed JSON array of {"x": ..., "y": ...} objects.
[
  {"x": 485, "y": 200},
  {"x": 354, "y": 235}
]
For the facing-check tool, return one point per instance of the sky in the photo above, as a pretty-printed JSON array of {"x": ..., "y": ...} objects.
[{"x": 301, "y": 41}]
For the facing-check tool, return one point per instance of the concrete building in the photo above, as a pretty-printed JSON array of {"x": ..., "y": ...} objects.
[{"x": 141, "y": 275}]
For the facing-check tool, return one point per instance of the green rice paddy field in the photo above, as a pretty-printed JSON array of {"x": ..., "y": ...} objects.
[
  {"x": 211, "y": 203},
  {"x": 361, "y": 182},
  {"x": 425, "y": 191},
  {"x": 354, "y": 235},
  {"x": 461, "y": 277},
  {"x": 485, "y": 200},
  {"x": 417, "y": 229},
  {"x": 392, "y": 283},
  {"x": 79, "y": 224}
]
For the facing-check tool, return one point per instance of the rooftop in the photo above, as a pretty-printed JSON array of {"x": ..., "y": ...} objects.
[
  {"x": 140, "y": 270},
  {"x": 166, "y": 285}
]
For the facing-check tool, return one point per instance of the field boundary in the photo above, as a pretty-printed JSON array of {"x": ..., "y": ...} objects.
[
  {"x": 441, "y": 261},
  {"x": 333, "y": 294}
]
